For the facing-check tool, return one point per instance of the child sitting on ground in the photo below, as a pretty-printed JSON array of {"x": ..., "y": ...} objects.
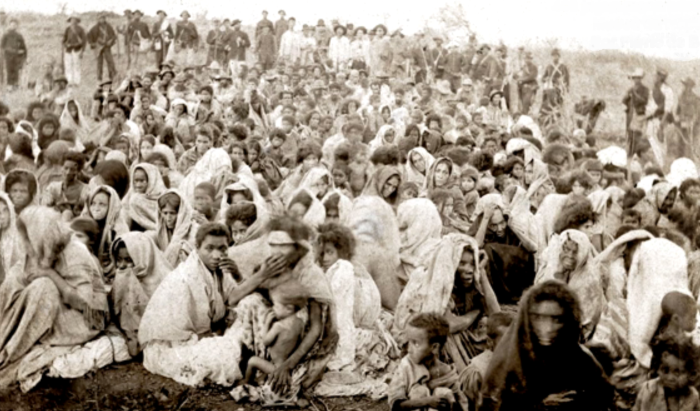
[
  {"x": 421, "y": 380},
  {"x": 673, "y": 388},
  {"x": 678, "y": 320},
  {"x": 284, "y": 334}
]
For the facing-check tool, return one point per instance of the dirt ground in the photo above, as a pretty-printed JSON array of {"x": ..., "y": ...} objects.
[{"x": 129, "y": 387}]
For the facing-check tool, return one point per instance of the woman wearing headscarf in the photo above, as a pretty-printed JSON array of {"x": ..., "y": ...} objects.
[
  {"x": 58, "y": 299},
  {"x": 22, "y": 188},
  {"x": 444, "y": 174},
  {"x": 47, "y": 130},
  {"x": 451, "y": 282},
  {"x": 51, "y": 169},
  {"x": 176, "y": 229},
  {"x": 362, "y": 332},
  {"x": 384, "y": 184},
  {"x": 420, "y": 229},
  {"x": 418, "y": 162},
  {"x": 140, "y": 268},
  {"x": 181, "y": 121},
  {"x": 385, "y": 136},
  {"x": 72, "y": 118},
  {"x": 531, "y": 368},
  {"x": 216, "y": 162},
  {"x": 305, "y": 206},
  {"x": 570, "y": 259},
  {"x": 510, "y": 248},
  {"x": 655, "y": 206},
  {"x": 169, "y": 169},
  {"x": 289, "y": 244},
  {"x": 11, "y": 246},
  {"x": 141, "y": 202},
  {"x": 245, "y": 189},
  {"x": 105, "y": 207}
]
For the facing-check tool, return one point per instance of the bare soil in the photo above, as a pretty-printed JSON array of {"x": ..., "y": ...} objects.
[{"x": 129, "y": 387}]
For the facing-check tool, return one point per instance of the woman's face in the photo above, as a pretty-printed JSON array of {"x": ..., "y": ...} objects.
[
  {"x": 48, "y": 129},
  {"x": 238, "y": 197},
  {"x": 389, "y": 135},
  {"x": 179, "y": 109},
  {"x": 73, "y": 110},
  {"x": 19, "y": 194},
  {"x": 414, "y": 133},
  {"x": 339, "y": 177},
  {"x": 497, "y": 225},
  {"x": 140, "y": 181},
  {"x": 569, "y": 251},
  {"x": 409, "y": 194},
  {"x": 467, "y": 184},
  {"x": 203, "y": 143},
  {"x": 146, "y": 149},
  {"x": 37, "y": 112},
  {"x": 332, "y": 215},
  {"x": 386, "y": 114},
  {"x": 596, "y": 175},
  {"x": 310, "y": 162},
  {"x": 466, "y": 269},
  {"x": 238, "y": 154},
  {"x": 668, "y": 202},
  {"x": 518, "y": 171},
  {"x": 418, "y": 162},
  {"x": 314, "y": 121},
  {"x": 99, "y": 206},
  {"x": 205, "y": 96},
  {"x": 442, "y": 173},
  {"x": 390, "y": 187},
  {"x": 587, "y": 228},
  {"x": 4, "y": 216},
  {"x": 238, "y": 231},
  {"x": 320, "y": 187},
  {"x": 298, "y": 210},
  {"x": 124, "y": 260},
  {"x": 578, "y": 189},
  {"x": 124, "y": 148},
  {"x": 352, "y": 107},
  {"x": 529, "y": 173},
  {"x": 329, "y": 256},
  {"x": 252, "y": 155},
  {"x": 546, "y": 318},
  {"x": 169, "y": 216}
]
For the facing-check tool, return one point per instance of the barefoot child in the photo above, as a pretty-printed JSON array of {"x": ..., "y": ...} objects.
[
  {"x": 284, "y": 334},
  {"x": 421, "y": 380}
]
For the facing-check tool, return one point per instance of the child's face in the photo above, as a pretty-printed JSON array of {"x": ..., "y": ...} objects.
[
  {"x": 467, "y": 184},
  {"x": 672, "y": 372},
  {"x": 518, "y": 171},
  {"x": 169, "y": 214},
  {"x": 409, "y": 194},
  {"x": 310, "y": 161},
  {"x": 48, "y": 129},
  {"x": 202, "y": 201},
  {"x": 282, "y": 311},
  {"x": 238, "y": 231},
  {"x": 124, "y": 260},
  {"x": 631, "y": 220},
  {"x": 419, "y": 348},
  {"x": 276, "y": 142},
  {"x": 298, "y": 210},
  {"x": 339, "y": 177},
  {"x": 596, "y": 175},
  {"x": 252, "y": 155},
  {"x": 578, "y": 189},
  {"x": 286, "y": 126},
  {"x": 140, "y": 181}
]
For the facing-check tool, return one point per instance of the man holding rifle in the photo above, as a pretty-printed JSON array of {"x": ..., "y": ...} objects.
[{"x": 101, "y": 38}]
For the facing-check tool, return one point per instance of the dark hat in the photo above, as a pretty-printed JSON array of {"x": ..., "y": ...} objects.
[
  {"x": 235, "y": 22},
  {"x": 127, "y": 12},
  {"x": 345, "y": 31},
  {"x": 76, "y": 18},
  {"x": 162, "y": 12},
  {"x": 138, "y": 12},
  {"x": 185, "y": 13},
  {"x": 381, "y": 26},
  {"x": 104, "y": 83},
  {"x": 494, "y": 93},
  {"x": 60, "y": 78},
  {"x": 360, "y": 28},
  {"x": 320, "y": 23},
  {"x": 438, "y": 38},
  {"x": 484, "y": 47}
]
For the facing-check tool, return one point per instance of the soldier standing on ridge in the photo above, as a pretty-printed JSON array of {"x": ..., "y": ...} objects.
[
  {"x": 74, "y": 41},
  {"x": 14, "y": 52},
  {"x": 101, "y": 38}
]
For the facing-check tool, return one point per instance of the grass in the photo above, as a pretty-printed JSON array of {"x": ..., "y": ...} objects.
[{"x": 600, "y": 74}]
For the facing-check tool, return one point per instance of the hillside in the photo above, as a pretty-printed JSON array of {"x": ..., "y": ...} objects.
[{"x": 599, "y": 74}]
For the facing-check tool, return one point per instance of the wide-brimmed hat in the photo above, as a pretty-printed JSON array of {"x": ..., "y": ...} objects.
[
  {"x": 494, "y": 93},
  {"x": 556, "y": 52},
  {"x": 688, "y": 82},
  {"x": 360, "y": 28},
  {"x": 661, "y": 72},
  {"x": 467, "y": 82},
  {"x": 335, "y": 29},
  {"x": 234, "y": 22},
  {"x": 637, "y": 73},
  {"x": 162, "y": 12},
  {"x": 76, "y": 18},
  {"x": 443, "y": 87},
  {"x": 185, "y": 13},
  {"x": 60, "y": 78},
  {"x": 139, "y": 12},
  {"x": 106, "y": 82},
  {"x": 321, "y": 23}
]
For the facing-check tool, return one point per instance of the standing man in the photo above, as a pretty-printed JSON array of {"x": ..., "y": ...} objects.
[
  {"x": 262, "y": 24},
  {"x": 123, "y": 31},
  {"x": 688, "y": 112},
  {"x": 186, "y": 38},
  {"x": 162, "y": 37},
  {"x": 555, "y": 83},
  {"x": 137, "y": 33},
  {"x": 527, "y": 84},
  {"x": 74, "y": 41},
  {"x": 494, "y": 71},
  {"x": 101, "y": 38},
  {"x": 455, "y": 63},
  {"x": 237, "y": 42},
  {"x": 281, "y": 26},
  {"x": 216, "y": 39},
  {"x": 636, "y": 101},
  {"x": 290, "y": 47},
  {"x": 266, "y": 47},
  {"x": 663, "y": 99},
  {"x": 14, "y": 51},
  {"x": 438, "y": 57}
]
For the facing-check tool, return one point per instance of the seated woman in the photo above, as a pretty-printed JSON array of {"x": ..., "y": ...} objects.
[
  {"x": 454, "y": 282},
  {"x": 657, "y": 204},
  {"x": 243, "y": 190},
  {"x": 420, "y": 230},
  {"x": 291, "y": 259},
  {"x": 22, "y": 188},
  {"x": 337, "y": 207},
  {"x": 140, "y": 268},
  {"x": 577, "y": 214},
  {"x": 141, "y": 202},
  {"x": 196, "y": 298},
  {"x": 318, "y": 182},
  {"x": 418, "y": 162},
  {"x": 306, "y": 207},
  {"x": 538, "y": 352},
  {"x": 510, "y": 248},
  {"x": 203, "y": 142},
  {"x": 72, "y": 118},
  {"x": 176, "y": 229},
  {"x": 164, "y": 158},
  {"x": 11, "y": 247},
  {"x": 385, "y": 184},
  {"x": 57, "y": 299},
  {"x": 443, "y": 174},
  {"x": 445, "y": 202},
  {"x": 570, "y": 259},
  {"x": 308, "y": 157},
  {"x": 103, "y": 206}
]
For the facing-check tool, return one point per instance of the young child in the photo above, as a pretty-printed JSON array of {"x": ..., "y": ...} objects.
[
  {"x": 673, "y": 388},
  {"x": 274, "y": 150},
  {"x": 468, "y": 182},
  {"x": 284, "y": 334},
  {"x": 678, "y": 319},
  {"x": 205, "y": 208},
  {"x": 421, "y": 380}
]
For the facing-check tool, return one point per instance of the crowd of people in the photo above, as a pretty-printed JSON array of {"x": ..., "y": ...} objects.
[{"x": 352, "y": 214}]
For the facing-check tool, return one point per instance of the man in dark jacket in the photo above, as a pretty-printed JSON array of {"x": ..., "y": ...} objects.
[
  {"x": 216, "y": 39},
  {"x": 74, "y": 42},
  {"x": 14, "y": 51},
  {"x": 527, "y": 84},
  {"x": 136, "y": 33},
  {"x": 163, "y": 35},
  {"x": 101, "y": 38},
  {"x": 186, "y": 37},
  {"x": 265, "y": 22},
  {"x": 636, "y": 101},
  {"x": 238, "y": 42}
]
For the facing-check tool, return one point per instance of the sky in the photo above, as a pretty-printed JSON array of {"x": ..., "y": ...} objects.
[{"x": 658, "y": 28}]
